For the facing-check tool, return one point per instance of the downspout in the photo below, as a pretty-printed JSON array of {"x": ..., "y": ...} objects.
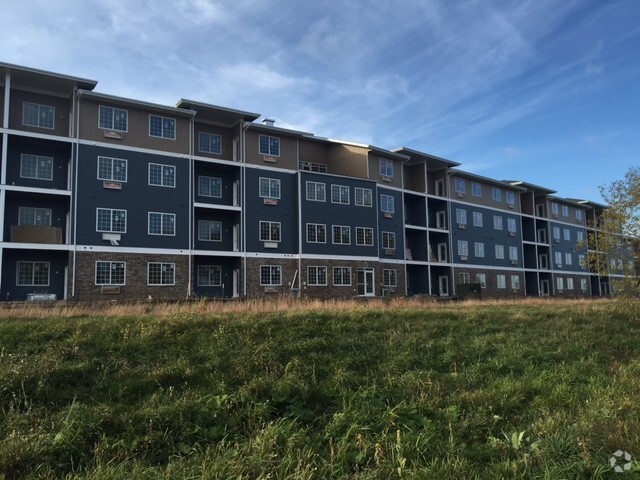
[
  {"x": 243, "y": 187},
  {"x": 74, "y": 213},
  {"x": 300, "y": 227},
  {"x": 191, "y": 203},
  {"x": 3, "y": 161}
]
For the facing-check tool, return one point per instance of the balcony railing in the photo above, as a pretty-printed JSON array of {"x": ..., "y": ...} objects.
[{"x": 36, "y": 234}]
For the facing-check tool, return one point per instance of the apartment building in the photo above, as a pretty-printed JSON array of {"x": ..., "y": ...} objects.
[{"x": 109, "y": 198}]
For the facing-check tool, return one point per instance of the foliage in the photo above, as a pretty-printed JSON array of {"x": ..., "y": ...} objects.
[{"x": 447, "y": 391}]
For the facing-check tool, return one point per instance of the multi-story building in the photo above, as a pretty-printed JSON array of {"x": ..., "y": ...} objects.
[{"x": 103, "y": 197}]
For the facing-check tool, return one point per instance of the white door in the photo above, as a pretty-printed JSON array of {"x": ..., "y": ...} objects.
[
  {"x": 443, "y": 283},
  {"x": 236, "y": 193},
  {"x": 236, "y": 238},
  {"x": 235, "y": 149},
  {"x": 366, "y": 279},
  {"x": 236, "y": 283}
]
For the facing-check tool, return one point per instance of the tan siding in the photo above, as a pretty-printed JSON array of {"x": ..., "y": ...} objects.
[
  {"x": 486, "y": 199},
  {"x": 288, "y": 158},
  {"x": 374, "y": 171},
  {"x": 314, "y": 152},
  {"x": 348, "y": 160},
  {"x": 61, "y": 117},
  {"x": 227, "y": 134},
  {"x": 414, "y": 177}
]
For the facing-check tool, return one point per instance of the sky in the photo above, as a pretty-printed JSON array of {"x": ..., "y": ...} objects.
[{"x": 545, "y": 91}]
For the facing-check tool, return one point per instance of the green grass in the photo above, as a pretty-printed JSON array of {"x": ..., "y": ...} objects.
[{"x": 486, "y": 391}]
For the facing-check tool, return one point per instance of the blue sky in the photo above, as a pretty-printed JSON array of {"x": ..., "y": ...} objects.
[{"x": 545, "y": 91}]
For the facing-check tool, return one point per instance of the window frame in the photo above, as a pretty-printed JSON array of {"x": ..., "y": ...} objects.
[
  {"x": 478, "y": 249},
  {"x": 317, "y": 276},
  {"x": 388, "y": 240},
  {"x": 501, "y": 281},
  {"x": 459, "y": 185},
  {"x": 337, "y": 194},
  {"x": 161, "y": 265},
  {"x": 340, "y": 230},
  {"x": 363, "y": 197},
  {"x": 341, "y": 276},
  {"x": 499, "y": 252},
  {"x": 34, "y": 212},
  {"x": 111, "y": 168},
  {"x": 478, "y": 219},
  {"x": 209, "y": 269},
  {"x": 481, "y": 278},
  {"x": 461, "y": 216},
  {"x": 110, "y": 281},
  {"x": 209, "y": 137},
  {"x": 33, "y": 264},
  {"x": 270, "y": 224},
  {"x": 315, "y": 227},
  {"x": 271, "y": 270},
  {"x": 39, "y": 123},
  {"x": 112, "y": 118},
  {"x": 510, "y": 197},
  {"x": 463, "y": 248},
  {"x": 270, "y": 145},
  {"x": 387, "y": 203},
  {"x": 389, "y": 277},
  {"x": 111, "y": 216},
  {"x": 162, "y": 166},
  {"x": 513, "y": 253},
  {"x": 367, "y": 235},
  {"x": 476, "y": 189},
  {"x": 270, "y": 182},
  {"x": 210, "y": 191},
  {"x": 201, "y": 228},
  {"x": 497, "y": 222},
  {"x": 162, "y": 134},
  {"x": 496, "y": 194},
  {"x": 315, "y": 189},
  {"x": 38, "y": 159},
  {"x": 162, "y": 232},
  {"x": 386, "y": 167}
]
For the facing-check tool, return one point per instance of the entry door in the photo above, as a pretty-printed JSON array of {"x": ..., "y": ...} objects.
[
  {"x": 544, "y": 287},
  {"x": 236, "y": 238},
  {"x": 366, "y": 279},
  {"x": 443, "y": 284},
  {"x": 236, "y": 283},
  {"x": 235, "y": 149},
  {"x": 236, "y": 193}
]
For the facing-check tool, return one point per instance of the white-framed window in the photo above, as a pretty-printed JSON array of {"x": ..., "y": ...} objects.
[
  {"x": 478, "y": 249},
  {"x": 316, "y": 192},
  {"x": 364, "y": 236},
  {"x": 317, "y": 276},
  {"x": 110, "y": 273},
  {"x": 387, "y": 203},
  {"x": 32, "y": 274},
  {"x": 578, "y": 214},
  {"x": 497, "y": 222},
  {"x": 515, "y": 282},
  {"x": 476, "y": 189},
  {"x": 112, "y": 169},
  {"x": 389, "y": 277},
  {"x": 388, "y": 240},
  {"x": 567, "y": 234},
  {"x": 341, "y": 235},
  {"x": 162, "y": 127},
  {"x": 556, "y": 233},
  {"x": 511, "y": 225},
  {"x": 499, "y": 252},
  {"x": 162, "y": 175},
  {"x": 464, "y": 278},
  {"x": 342, "y": 276},
  {"x": 161, "y": 223},
  {"x": 209, "y": 186},
  {"x": 511, "y": 197},
  {"x": 481, "y": 278},
  {"x": 209, "y": 276},
  {"x": 340, "y": 194},
  {"x": 459, "y": 185},
  {"x": 477, "y": 219},
  {"x": 555, "y": 208},
  {"x": 558, "y": 258},
  {"x": 269, "y": 188},
  {"x": 461, "y": 216},
  {"x": 501, "y": 281},
  {"x": 565, "y": 211},
  {"x": 34, "y": 216},
  {"x": 496, "y": 194},
  {"x": 580, "y": 236},
  {"x": 41, "y": 116},
  {"x": 568, "y": 258},
  {"x": 316, "y": 233},
  {"x": 513, "y": 253},
  {"x": 569, "y": 283},
  {"x": 386, "y": 167},
  {"x": 269, "y": 231},
  {"x": 209, "y": 231},
  {"x": 37, "y": 167},
  {"x": 111, "y": 220},
  {"x": 160, "y": 273},
  {"x": 363, "y": 197},
  {"x": 560, "y": 284},
  {"x": 209, "y": 143},
  {"x": 270, "y": 275},
  {"x": 269, "y": 145},
  {"x": 463, "y": 248},
  {"x": 583, "y": 284},
  {"x": 111, "y": 118}
]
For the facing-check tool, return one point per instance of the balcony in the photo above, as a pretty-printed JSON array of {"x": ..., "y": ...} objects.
[{"x": 36, "y": 234}]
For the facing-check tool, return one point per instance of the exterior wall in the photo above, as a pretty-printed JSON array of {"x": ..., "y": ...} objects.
[
  {"x": 227, "y": 266},
  {"x": 228, "y": 175},
  {"x": 288, "y": 158},
  {"x": 255, "y": 290},
  {"x": 228, "y": 220},
  {"x": 486, "y": 194},
  {"x": 227, "y": 137},
  {"x": 59, "y": 206},
  {"x": 567, "y": 248},
  {"x": 59, "y": 151},
  {"x": 393, "y": 223},
  {"x": 415, "y": 177},
  {"x": 348, "y": 160},
  {"x": 491, "y": 290},
  {"x": 374, "y": 171},
  {"x": 11, "y": 291},
  {"x": 61, "y": 115}
]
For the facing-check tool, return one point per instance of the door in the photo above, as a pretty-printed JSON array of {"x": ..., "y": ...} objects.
[
  {"x": 235, "y": 149},
  {"x": 236, "y": 193},
  {"x": 236, "y": 238},
  {"x": 544, "y": 288},
  {"x": 441, "y": 219},
  {"x": 236, "y": 283},
  {"x": 366, "y": 279},
  {"x": 440, "y": 188},
  {"x": 544, "y": 261},
  {"x": 443, "y": 284}
]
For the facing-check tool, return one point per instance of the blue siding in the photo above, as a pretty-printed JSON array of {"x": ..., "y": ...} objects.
[
  {"x": 11, "y": 291},
  {"x": 226, "y": 174},
  {"x": 61, "y": 154},
  {"x": 393, "y": 224}
]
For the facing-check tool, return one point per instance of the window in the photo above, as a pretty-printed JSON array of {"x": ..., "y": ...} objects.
[
  {"x": 511, "y": 225},
  {"x": 387, "y": 204},
  {"x": 364, "y": 197},
  {"x": 581, "y": 261},
  {"x": 464, "y": 278},
  {"x": 32, "y": 274},
  {"x": 476, "y": 189},
  {"x": 556, "y": 233},
  {"x": 386, "y": 167},
  {"x": 36, "y": 167},
  {"x": 112, "y": 169},
  {"x": 513, "y": 254},
  {"x": 271, "y": 275},
  {"x": 111, "y": 220},
  {"x": 461, "y": 216},
  {"x": 560, "y": 284},
  {"x": 515, "y": 282},
  {"x": 209, "y": 143},
  {"x": 269, "y": 188},
  {"x": 558, "y": 258},
  {"x": 317, "y": 276},
  {"x": 501, "y": 280},
  {"x": 364, "y": 236},
  {"x": 389, "y": 278},
  {"x": 499, "y": 252},
  {"x": 209, "y": 186},
  {"x": 477, "y": 219},
  {"x": 496, "y": 194},
  {"x": 161, "y": 273},
  {"x": 340, "y": 194},
  {"x": 388, "y": 240},
  {"x": 478, "y": 249},
  {"x": 269, "y": 231},
  {"x": 578, "y": 214},
  {"x": 162, "y": 175},
  {"x": 209, "y": 276},
  {"x": 569, "y": 283},
  {"x": 580, "y": 236},
  {"x": 162, "y": 223},
  {"x": 567, "y": 234},
  {"x": 341, "y": 235},
  {"x": 481, "y": 278},
  {"x": 162, "y": 127},
  {"x": 459, "y": 185},
  {"x": 41, "y": 116},
  {"x": 555, "y": 208},
  {"x": 463, "y": 248},
  {"x": 511, "y": 197},
  {"x": 342, "y": 276},
  {"x": 113, "y": 118},
  {"x": 565, "y": 211},
  {"x": 497, "y": 222},
  {"x": 110, "y": 273},
  {"x": 209, "y": 231},
  {"x": 316, "y": 233},
  {"x": 568, "y": 258},
  {"x": 34, "y": 216},
  {"x": 316, "y": 192},
  {"x": 269, "y": 145},
  {"x": 583, "y": 284}
]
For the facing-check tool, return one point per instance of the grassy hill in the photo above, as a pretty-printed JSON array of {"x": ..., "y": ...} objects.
[{"x": 314, "y": 391}]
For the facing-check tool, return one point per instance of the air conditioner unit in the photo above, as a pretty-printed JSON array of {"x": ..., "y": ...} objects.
[
  {"x": 386, "y": 178},
  {"x": 270, "y": 201},
  {"x": 390, "y": 251},
  {"x": 516, "y": 290},
  {"x": 269, "y": 159},
  {"x": 109, "y": 290},
  {"x": 463, "y": 257},
  {"x": 270, "y": 289},
  {"x": 555, "y": 215},
  {"x": 113, "y": 134},
  {"x": 270, "y": 245},
  {"x": 557, "y": 240},
  {"x": 113, "y": 238},
  {"x": 112, "y": 185},
  {"x": 387, "y": 215},
  {"x": 512, "y": 234},
  {"x": 462, "y": 226},
  {"x": 460, "y": 194},
  {"x": 510, "y": 205},
  {"x": 559, "y": 265},
  {"x": 514, "y": 262}
]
